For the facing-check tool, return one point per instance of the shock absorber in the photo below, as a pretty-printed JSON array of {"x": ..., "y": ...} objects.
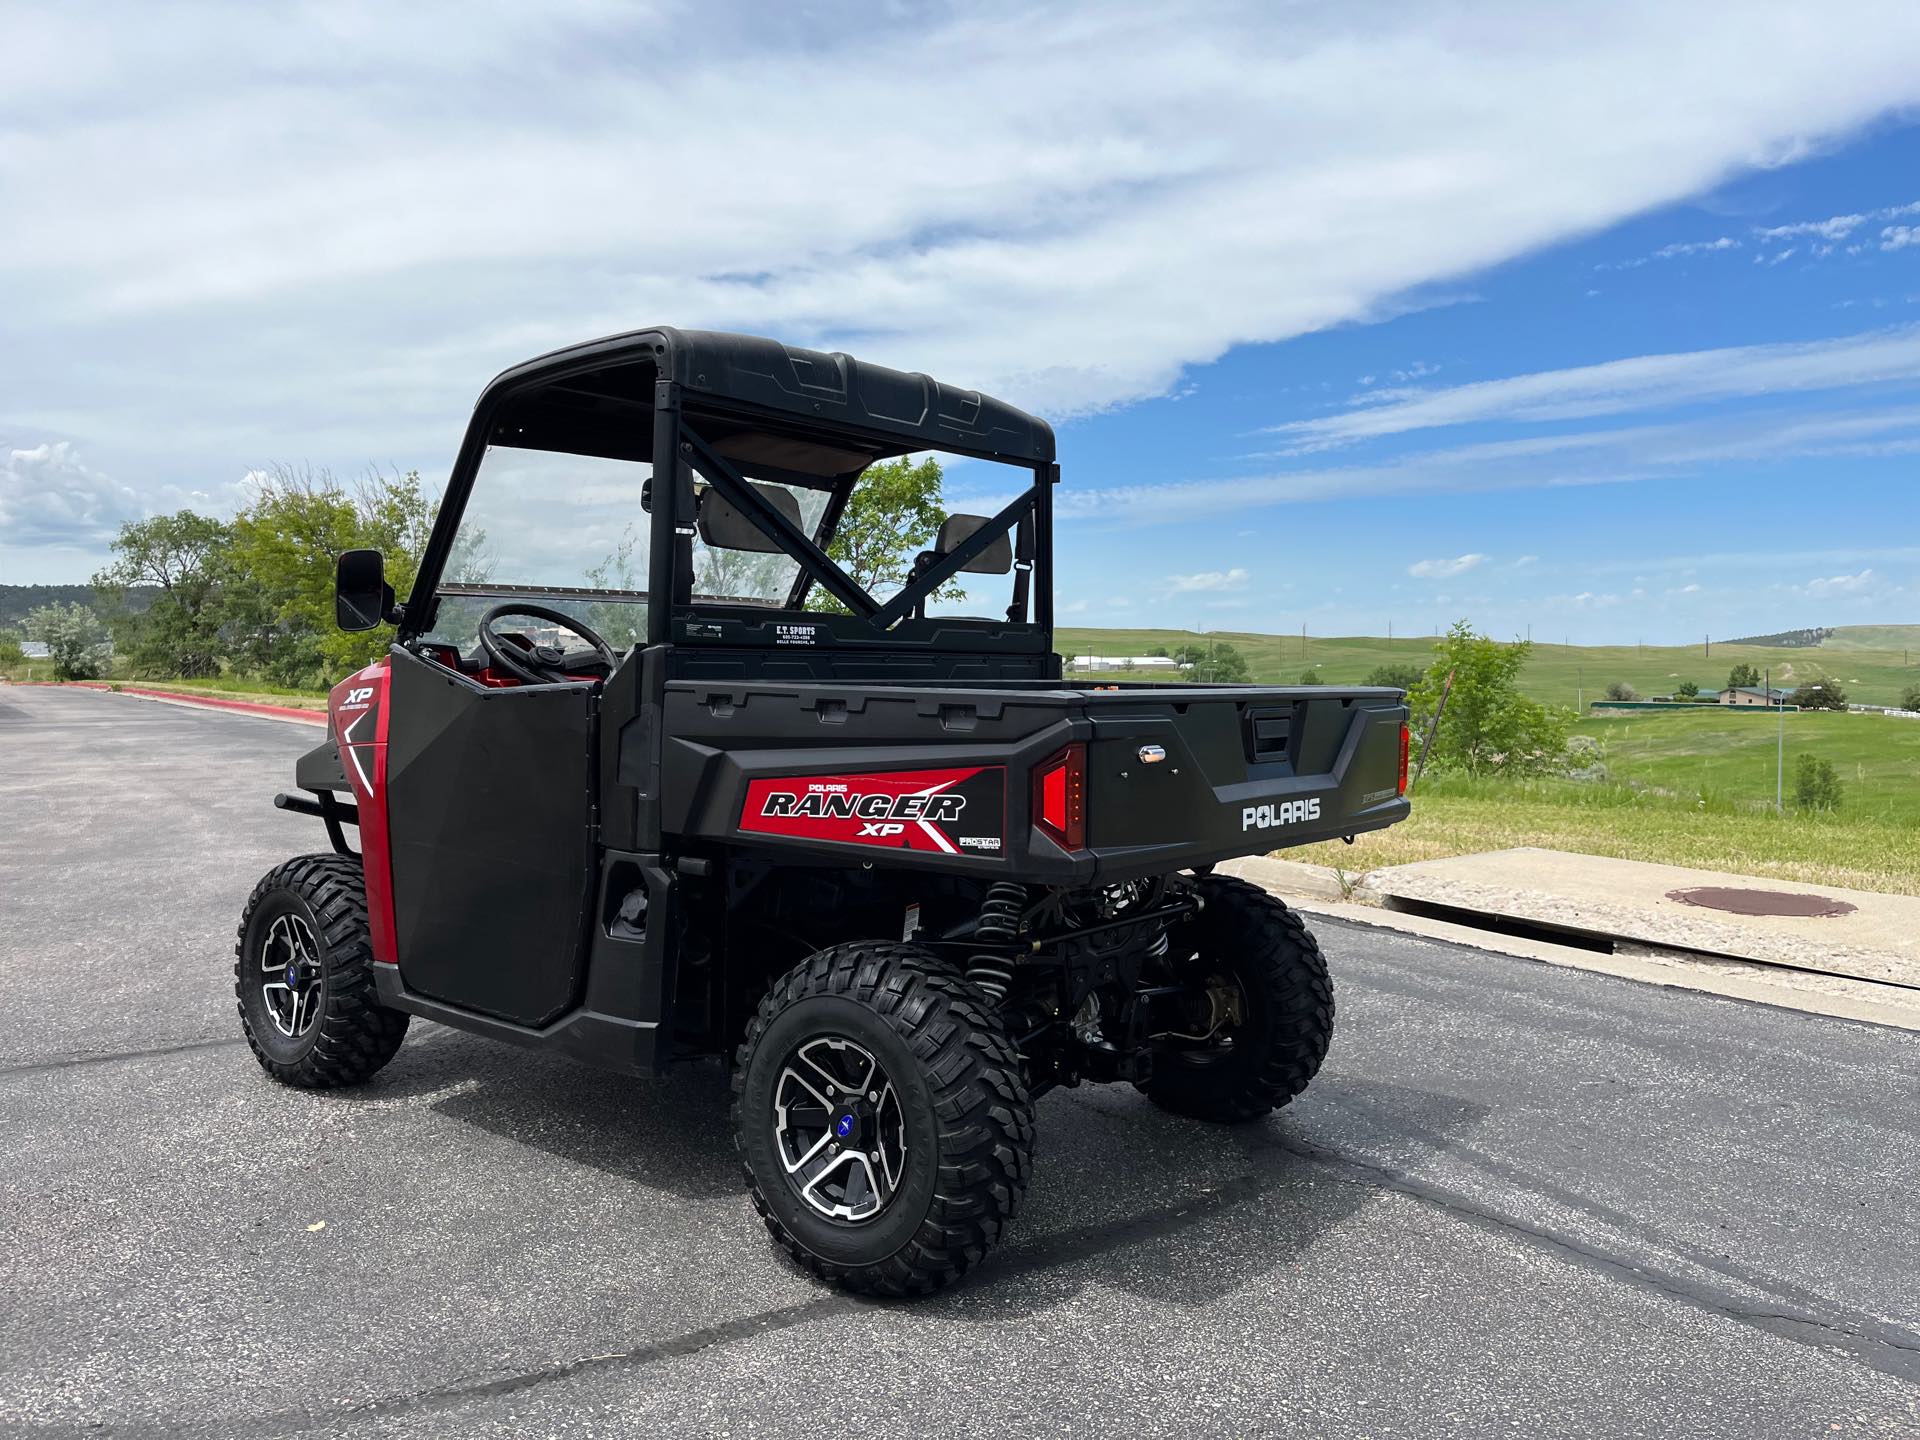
[{"x": 999, "y": 924}]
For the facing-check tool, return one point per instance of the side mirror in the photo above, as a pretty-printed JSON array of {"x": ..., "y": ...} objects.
[
  {"x": 955, "y": 530},
  {"x": 362, "y": 598}
]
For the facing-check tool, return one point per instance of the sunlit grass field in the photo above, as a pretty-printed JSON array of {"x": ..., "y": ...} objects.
[
  {"x": 1466, "y": 817},
  {"x": 1873, "y": 664}
]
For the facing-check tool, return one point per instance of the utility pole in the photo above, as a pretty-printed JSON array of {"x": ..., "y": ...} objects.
[
  {"x": 1580, "y": 705},
  {"x": 1780, "y": 753},
  {"x": 1303, "y": 639}
]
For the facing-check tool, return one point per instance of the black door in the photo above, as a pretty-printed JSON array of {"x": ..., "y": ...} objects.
[{"x": 489, "y": 812}]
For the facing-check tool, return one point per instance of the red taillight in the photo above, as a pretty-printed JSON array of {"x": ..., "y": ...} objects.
[
  {"x": 1406, "y": 744},
  {"x": 1060, "y": 797}
]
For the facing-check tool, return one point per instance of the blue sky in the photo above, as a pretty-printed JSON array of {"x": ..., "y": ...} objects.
[{"x": 1606, "y": 325}]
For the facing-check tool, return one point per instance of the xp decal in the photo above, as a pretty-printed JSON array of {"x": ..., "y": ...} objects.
[{"x": 950, "y": 812}]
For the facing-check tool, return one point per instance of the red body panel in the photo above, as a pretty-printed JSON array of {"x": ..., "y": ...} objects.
[
  {"x": 952, "y": 812},
  {"x": 357, "y": 711}
]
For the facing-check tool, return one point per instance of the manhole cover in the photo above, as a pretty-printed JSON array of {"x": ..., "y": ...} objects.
[{"x": 1760, "y": 902}]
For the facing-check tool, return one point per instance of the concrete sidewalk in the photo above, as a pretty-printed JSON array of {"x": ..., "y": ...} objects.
[
  {"x": 1860, "y": 960},
  {"x": 1871, "y": 937}
]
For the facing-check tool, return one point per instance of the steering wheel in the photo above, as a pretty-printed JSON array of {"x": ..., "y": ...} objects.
[{"x": 538, "y": 664}]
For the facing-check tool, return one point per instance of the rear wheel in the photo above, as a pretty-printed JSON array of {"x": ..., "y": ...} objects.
[
  {"x": 879, "y": 1108},
  {"x": 1262, "y": 1016},
  {"x": 303, "y": 976}
]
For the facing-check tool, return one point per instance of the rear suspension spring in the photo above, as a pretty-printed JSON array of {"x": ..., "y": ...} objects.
[{"x": 999, "y": 924}]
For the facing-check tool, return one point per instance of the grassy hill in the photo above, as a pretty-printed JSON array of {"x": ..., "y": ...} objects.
[{"x": 1873, "y": 663}]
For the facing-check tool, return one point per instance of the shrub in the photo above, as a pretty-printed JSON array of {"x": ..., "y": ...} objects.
[
  {"x": 1910, "y": 698},
  {"x": 1396, "y": 677},
  {"x": 1620, "y": 690},
  {"x": 76, "y": 641},
  {"x": 1488, "y": 727},
  {"x": 1310, "y": 676},
  {"x": 1686, "y": 690},
  {"x": 10, "y": 651},
  {"x": 1815, "y": 785}
]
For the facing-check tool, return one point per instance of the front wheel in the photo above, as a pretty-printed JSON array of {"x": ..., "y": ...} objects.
[
  {"x": 1262, "y": 1016},
  {"x": 303, "y": 976},
  {"x": 881, "y": 1115}
]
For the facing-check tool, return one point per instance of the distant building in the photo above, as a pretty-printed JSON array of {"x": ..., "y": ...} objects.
[
  {"x": 34, "y": 649},
  {"x": 1754, "y": 695},
  {"x": 1122, "y": 662}
]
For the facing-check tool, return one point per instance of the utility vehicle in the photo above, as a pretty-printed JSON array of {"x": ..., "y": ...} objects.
[{"x": 647, "y": 777}]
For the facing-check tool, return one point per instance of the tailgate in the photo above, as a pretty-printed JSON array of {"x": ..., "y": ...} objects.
[{"x": 1184, "y": 777}]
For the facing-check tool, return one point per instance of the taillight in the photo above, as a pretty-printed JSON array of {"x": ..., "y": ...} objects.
[
  {"x": 1060, "y": 797},
  {"x": 1406, "y": 744}
]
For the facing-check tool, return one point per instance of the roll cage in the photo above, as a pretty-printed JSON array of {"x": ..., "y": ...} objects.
[{"x": 717, "y": 413}]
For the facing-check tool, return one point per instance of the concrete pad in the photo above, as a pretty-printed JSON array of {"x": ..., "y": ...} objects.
[{"x": 1878, "y": 940}]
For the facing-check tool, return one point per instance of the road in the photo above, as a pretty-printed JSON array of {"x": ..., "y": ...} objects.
[{"x": 1519, "y": 1200}]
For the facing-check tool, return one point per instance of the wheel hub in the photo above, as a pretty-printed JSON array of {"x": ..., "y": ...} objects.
[
  {"x": 838, "y": 1128},
  {"x": 290, "y": 975}
]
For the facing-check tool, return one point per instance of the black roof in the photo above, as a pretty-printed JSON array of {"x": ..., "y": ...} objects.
[{"x": 811, "y": 386}]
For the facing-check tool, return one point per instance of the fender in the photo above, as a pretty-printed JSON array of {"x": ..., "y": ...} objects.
[{"x": 357, "y": 721}]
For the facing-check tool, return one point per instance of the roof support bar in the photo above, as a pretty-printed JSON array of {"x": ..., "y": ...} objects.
[
  {"x": 951, "y": 563},
  {"x": 775, "y": 526}
]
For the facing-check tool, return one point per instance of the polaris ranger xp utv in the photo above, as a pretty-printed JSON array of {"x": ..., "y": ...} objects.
[{"x": 647, "y": 777}]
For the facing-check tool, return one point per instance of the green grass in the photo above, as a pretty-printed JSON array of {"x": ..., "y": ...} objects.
[
  {"x": 1465, "y": 817},
  {"x": 1872, "y": 663},
  {"x": 1694, "y": 753}
]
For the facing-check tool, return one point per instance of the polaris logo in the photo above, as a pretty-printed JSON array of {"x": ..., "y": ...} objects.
[
  {"x": 1287, "y": 812},
  {"x": 845, "y": 805}
]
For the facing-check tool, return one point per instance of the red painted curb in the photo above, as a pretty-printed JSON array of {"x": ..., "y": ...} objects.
[{"x": 245, "y": 707}]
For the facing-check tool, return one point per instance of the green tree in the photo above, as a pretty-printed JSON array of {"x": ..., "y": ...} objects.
[
  {"x": 1686, "y": 690},
  {"x": 1401, "y": 676},
  {"x": 179, "y": 632},
  {"x": 1218, "y": 664},
  {"x": 278, "y": 569},
  {"x": 1311, "y": 676},
  {"x": 1815, "y": 785},
  {"x": 893, "y": 513},
  {"x": 76, "y": 641},
  {"x": 1742, "y": 674},
  {"x": 1620, "y": 690},
  {"x": 1488, "y": 727},
  {"x": 10, "y": 651},
  {"x": 1820, "y": 695},
  {"x": 1910, "y": 698}
]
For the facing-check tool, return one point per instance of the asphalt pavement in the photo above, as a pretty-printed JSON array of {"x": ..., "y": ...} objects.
[{"x": 1519, "y": 1200}]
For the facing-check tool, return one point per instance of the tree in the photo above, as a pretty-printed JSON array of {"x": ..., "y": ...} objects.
[
  {"x": 179, "y": 632},
  {"x": 893, "y": 513},
  {"x": 1400, "y": 676},
  {"x": 1910, "y": 698},
  {"x": 278, "y": 568},
  {"x": 1815, "y": 785},
  {"x": 1620, "y": 690},
  {"x": 1686, "y": 690},
  {"x": 1819, "y": 695},
  {"x": 1742, "y": 674},
  {"x": 1488, "y": 727},
  {"x": 1159, "y": 650},
  {"x": 76, "y": 641},
  {"x": 1311, "y": 676},
  {"x": 10, "y": 651},
  {"x": 1217, "y": 664}
]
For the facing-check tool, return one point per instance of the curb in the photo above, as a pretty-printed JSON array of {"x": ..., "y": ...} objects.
[
  {"x": 204, "y": 702},
  {"x": 243, "y": 707}
]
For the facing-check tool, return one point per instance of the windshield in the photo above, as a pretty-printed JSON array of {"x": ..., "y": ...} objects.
[{"x": 564, "y": 531}]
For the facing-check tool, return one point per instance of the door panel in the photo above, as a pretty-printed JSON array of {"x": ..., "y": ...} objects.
[{"x": 489, "y": 810}]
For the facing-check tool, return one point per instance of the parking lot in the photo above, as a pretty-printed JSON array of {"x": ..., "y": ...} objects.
[{"x": 1518, "y": 1200}]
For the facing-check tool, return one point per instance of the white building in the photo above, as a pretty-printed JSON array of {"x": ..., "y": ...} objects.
[{"x": 1122, "y": 662}]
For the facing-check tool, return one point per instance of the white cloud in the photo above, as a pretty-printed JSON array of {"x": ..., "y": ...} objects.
[
  {"x": 49, "y": 497},
  {"x": 1899, "y": 237},
  {"x": 1621, "y": 386},
  {"x": 1207, "y": 580},
  {"x": 326, "y": 226},
  {"x": 1445, "y": 569},
  {"x": 1840, "y": 584}
]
